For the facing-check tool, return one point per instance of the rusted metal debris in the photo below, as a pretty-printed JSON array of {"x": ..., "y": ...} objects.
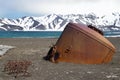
[
  {"x": 96, "y": 29},
  {"x": 17, "y": 67},
  {"x": 81, "y": 44},
  {"x": 52, "y": 55}
]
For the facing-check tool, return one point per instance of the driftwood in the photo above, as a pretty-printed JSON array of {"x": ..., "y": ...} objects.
[{"x": 17, "y": 67}]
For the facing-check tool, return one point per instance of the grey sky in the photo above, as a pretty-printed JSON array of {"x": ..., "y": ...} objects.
[{"x": 36, "y": 7}]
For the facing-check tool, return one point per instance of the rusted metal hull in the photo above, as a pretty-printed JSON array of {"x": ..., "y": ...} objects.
[{"x": 80, "y": 44}]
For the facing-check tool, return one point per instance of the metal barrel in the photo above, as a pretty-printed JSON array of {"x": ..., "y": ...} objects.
[{"x": 80, "y": 44}]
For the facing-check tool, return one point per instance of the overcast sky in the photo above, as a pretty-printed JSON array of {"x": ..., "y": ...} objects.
[{"x": 20, "y": 8}]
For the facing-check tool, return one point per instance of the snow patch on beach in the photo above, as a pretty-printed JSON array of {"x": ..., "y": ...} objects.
[
  {"x": 112, "y": 75},
  {"x": 4, "y": 49}
]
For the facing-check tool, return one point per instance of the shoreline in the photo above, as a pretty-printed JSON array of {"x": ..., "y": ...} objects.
[{"x": 34, "y": 49}]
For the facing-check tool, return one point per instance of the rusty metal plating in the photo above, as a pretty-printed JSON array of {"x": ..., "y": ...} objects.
[
  {"x": 82, "y": 44},
  {"x": 17, "y": 67}
]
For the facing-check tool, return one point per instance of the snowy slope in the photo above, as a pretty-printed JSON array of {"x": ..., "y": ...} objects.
[{"x": 55, "y": 22}]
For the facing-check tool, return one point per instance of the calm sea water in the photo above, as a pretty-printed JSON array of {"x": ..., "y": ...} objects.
[
  {"x": 44, "y": 34},
  {"x": 30, "y": 34}
]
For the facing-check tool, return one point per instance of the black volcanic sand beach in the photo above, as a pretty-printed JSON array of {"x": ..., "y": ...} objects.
[{"x": 34, "y": 49}]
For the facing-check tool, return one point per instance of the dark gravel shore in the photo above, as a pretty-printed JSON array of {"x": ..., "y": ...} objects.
[{"x": 34, "y": 49}]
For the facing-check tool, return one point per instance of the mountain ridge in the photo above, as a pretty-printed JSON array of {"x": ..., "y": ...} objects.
[{"x": 54, "y": 22}]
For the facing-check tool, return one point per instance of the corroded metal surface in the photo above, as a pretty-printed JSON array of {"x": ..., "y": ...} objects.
[
  {"x": 17, "y": 67},
  {"x": 95, "y": 29},
  {"x": 80, "y": 44}
]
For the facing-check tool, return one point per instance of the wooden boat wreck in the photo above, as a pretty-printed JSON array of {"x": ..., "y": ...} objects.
[{"x": 80, "y": 44}]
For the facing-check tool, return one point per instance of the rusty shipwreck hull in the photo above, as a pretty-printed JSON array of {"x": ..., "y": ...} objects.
[{"x": 80, "y": 44}]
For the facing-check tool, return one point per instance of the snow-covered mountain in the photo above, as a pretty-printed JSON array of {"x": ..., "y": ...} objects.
[{"x": 55, "y": 22}]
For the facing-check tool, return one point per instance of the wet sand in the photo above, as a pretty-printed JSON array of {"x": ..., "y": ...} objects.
[{"x": 34, "y": 49}]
